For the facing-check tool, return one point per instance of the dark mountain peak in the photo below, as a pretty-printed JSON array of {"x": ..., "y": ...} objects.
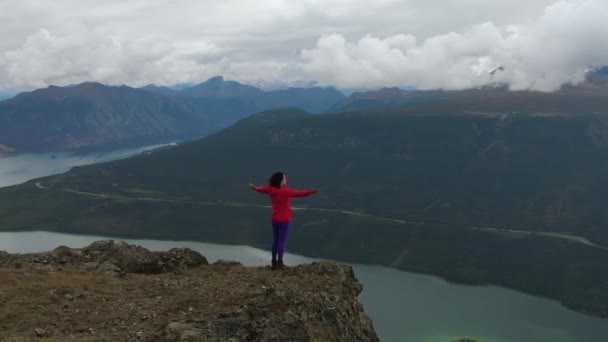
[
  {"x": 217, "y": 87},
  {"x": 88, "y": 90},
  {"x": 72, "y": 85},
  {"x": 218, "y": 83},
  {"x": 159, "y": 89},
  {"x": 216, "y": 79},
  {"x": 83, "y": 85},
  {"x": 153, "y": 86},
  {"x": 89, "y": 84}
]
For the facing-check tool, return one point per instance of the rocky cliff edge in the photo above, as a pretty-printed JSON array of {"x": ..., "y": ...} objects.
[{"x": 113, "y": 291}]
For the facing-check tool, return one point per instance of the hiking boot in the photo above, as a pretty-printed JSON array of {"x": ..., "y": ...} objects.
[
  {"x": 273, "y": 264},
  {"x": 280, "y": 264}
]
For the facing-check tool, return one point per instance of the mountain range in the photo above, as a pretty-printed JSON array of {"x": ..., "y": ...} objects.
[
  {"x": 92, "y": 115},
  {"x": 507, "y": 189},
  {"x": 311, "y": 99},
  {"x": 482, "y": 186},
  {"x": 595, "y": 89}
]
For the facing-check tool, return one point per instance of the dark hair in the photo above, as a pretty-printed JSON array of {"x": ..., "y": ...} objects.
[{"x": 276, "y": 179}]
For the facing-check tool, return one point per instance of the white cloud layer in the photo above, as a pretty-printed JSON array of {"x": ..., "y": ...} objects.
[
  {"x": 542, "y": 55},
  {"x": 448, "y": 44}
]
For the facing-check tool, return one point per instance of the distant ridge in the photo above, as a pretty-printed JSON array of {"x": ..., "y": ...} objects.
[
  {"x": 159, "y": 89},
  {"x": 91, "y": 114},
  {"x": 217, "y": 87},
  {"x": 312, "y": 99}
]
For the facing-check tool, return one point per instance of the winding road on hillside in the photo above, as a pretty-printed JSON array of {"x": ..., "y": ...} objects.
[{"x": 554, "y": 235}]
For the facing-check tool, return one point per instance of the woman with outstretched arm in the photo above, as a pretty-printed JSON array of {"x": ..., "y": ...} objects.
[{"x": 281, "y": 212}]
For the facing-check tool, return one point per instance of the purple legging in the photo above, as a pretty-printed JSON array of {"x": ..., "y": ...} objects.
[{"x": 279, "y": 238}]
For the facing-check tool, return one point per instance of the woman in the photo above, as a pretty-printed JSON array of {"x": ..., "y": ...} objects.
[{"x": 281, "y": 212}]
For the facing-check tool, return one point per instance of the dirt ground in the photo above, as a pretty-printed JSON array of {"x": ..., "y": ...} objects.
[{"x": 60, "y": 305}]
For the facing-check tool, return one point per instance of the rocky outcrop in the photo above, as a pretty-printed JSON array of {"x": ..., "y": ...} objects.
[
  {"x": 286, "y": 314},
  {"x": 115, "y": 291},
  {"x": 109, "y": 255}
]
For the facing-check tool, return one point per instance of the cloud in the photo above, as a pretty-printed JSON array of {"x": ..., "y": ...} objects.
[
  {"x": 541, "y": 43},
  {"x": 46, "y": 58},
  {"x": 541, "y": 55}
]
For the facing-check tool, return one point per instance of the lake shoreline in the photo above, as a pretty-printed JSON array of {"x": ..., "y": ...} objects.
[
  {"x": 21, "y": 167},
  {"x": 404, "y": 306},
  {"x": 176, "y": 239},
  {"x": 7, "y": 151},
  {"x": 84, "y": 151}
]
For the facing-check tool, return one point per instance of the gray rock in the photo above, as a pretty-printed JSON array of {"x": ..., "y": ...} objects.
[
  {"x": 183, "y": 257},
  {"x": 108, "y": 266},
  {"x": 62, "y": 252},
  {"x": 109, "y": 256},
  {"x": 127, "y": 257},
  {"x": 41, "y": 332}
]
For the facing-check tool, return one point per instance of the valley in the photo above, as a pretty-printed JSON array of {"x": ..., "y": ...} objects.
[{"x": 507, "y": 198}]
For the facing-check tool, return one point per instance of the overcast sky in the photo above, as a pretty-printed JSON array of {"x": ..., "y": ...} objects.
[{"x": 450, "y": 44}]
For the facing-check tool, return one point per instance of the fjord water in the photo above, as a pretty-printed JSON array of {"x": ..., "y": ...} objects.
[
  {"x": 23, "y": 167},
  {"x": 403, "y": 306}
]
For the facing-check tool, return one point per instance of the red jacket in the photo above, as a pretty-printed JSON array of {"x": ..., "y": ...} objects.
[{"x": 281, "y": 209}]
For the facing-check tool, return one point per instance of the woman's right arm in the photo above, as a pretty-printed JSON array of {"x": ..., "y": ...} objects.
[{"x": 260, "y": 189}]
